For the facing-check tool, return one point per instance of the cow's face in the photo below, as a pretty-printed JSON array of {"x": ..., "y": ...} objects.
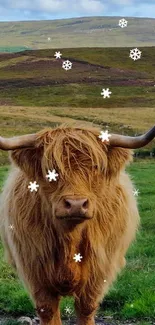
[{"x": 85, "y": 167}]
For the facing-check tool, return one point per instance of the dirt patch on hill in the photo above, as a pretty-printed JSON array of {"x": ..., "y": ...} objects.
[
  {"x": 38, "y": 82},
  {"x": 50, "y": 72}
]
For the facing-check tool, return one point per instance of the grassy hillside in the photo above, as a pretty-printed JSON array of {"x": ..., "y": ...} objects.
[
  {"x": 36, "y": 78},
  {"x": 35, "y": 91},
  {"x": 78, "y": 32}
]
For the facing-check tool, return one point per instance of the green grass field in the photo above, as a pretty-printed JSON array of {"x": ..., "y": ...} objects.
[{"x": 133, "y": 295}]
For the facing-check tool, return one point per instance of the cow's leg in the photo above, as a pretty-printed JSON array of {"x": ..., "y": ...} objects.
[
  {"x": 47, "y": 308},
  {"x": 86, "y": 310}
]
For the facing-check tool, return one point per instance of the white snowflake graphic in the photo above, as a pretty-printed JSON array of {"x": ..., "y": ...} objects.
[
  {"x": 42, "y": 310},
  {"x": 58, "y": 55},
  {"x": 131, "y": 305},
  {"x": 11, "y": 227},
  {"x": 106, "y": 93},
  {"x": 68, "y": 310},
  {"x": 49, "y": 39},
  {"x": 104, "y": 136},
  {"x": 123, "y": 23},
  {"x": 33, "y": 186},
  {"x": 105, "y": 280},
  {"x": 136, "y": 192},
  {"x": 67, "y": 65},
  {"x": 52, "y": 175},
  {"x": 77, "y": 257},
  {"x": 135, "y": 54}
]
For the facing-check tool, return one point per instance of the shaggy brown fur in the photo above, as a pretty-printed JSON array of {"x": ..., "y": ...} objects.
[{"x": 41, "y": 247}]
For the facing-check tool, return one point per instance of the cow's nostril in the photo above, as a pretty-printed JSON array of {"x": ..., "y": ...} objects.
[
  {"x": 67, "y": 204},
  {"x": 76, "y": 205},
  {"x": 85, "y": 204}
]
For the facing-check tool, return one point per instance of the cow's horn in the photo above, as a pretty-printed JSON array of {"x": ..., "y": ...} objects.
[
  {"x": 123, "y": 141},
  {"x": 19, "y": 142}
]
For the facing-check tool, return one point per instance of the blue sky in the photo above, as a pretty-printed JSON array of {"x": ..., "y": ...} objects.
[{"x": 12, "y": 10}]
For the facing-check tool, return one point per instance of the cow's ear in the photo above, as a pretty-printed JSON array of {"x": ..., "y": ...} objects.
[
  {"x": 28, "y": 160},
  {"x": 118, "y": 159}
]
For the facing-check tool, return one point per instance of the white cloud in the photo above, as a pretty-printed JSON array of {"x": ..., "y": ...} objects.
[
  {"x": 54, "y": 9},
  {"x": 123, "y": 2},
  {"x": 94, "y": 6},
  {"x": 53, "y": 6}
]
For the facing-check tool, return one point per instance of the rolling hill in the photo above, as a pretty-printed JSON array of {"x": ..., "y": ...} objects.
[
  {"x": 36, "y": 92},
  {"x": 36, "y": 78},
  {"x": 78, "y": 32}
]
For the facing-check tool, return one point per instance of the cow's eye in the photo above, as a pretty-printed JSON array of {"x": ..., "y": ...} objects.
[{"x": 96, "y": 167}]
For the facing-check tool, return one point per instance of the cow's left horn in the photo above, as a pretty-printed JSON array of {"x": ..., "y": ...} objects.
[
  {"x": 23, "y": 141},
  {"x": 124, "y": 141}
]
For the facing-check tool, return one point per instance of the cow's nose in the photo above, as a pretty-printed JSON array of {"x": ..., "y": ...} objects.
[{"x": 76, "y": 206}]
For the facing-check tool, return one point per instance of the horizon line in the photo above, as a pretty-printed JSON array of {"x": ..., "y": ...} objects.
[{"x": 70, "y": 18}]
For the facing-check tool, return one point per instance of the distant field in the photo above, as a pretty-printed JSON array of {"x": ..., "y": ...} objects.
[
  {"x": 78, "y": 32},
  {"x": 18, "y": 120},
  {"x": 36, "y": 78},
  {"x": 12, "y": 49},
  {"x": 36, "y": 92}
]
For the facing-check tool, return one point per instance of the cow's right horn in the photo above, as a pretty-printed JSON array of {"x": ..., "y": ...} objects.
[{"x": 125, "y": 141}]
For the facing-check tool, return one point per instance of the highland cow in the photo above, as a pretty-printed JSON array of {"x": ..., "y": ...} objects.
[{"x": 89, "y": 209}]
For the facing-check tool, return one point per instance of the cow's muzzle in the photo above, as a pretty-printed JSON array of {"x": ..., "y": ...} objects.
[{"x": 71, "y": 209}]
